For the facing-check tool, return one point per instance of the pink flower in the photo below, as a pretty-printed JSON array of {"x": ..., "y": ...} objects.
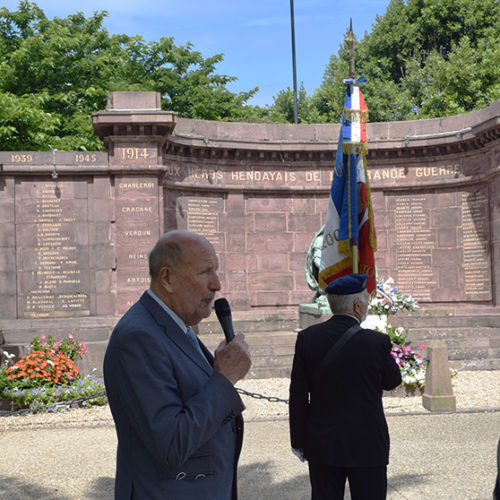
[
  {"x": 70, "y": 336},
  {"x": 42, "y": 336},
  {"x": 423, "y": 346}
]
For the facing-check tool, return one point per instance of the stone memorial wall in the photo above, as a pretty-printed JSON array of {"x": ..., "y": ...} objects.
[{"x": 76, "y": 228}]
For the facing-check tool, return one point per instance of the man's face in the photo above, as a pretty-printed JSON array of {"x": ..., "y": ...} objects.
[{"x": 195, "y": 282}]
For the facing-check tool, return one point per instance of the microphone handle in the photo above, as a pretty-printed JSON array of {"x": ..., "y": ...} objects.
[
  {"x": 223, "y": 311},
  {"x": 227, "y": 327}
]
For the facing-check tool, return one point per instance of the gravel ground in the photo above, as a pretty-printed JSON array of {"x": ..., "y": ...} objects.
[
  {"x": 71, "y": 455},
  {"x": 472, "y": 389}
]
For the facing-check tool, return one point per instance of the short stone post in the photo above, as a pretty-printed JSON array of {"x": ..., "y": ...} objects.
[{"x": 438, "y": 393}]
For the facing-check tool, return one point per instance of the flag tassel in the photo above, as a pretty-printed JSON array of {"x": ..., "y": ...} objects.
[{"x": 355, "y": 256}]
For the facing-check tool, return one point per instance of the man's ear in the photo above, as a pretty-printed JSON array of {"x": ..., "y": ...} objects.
[
  {"x": 166, "y": 278},
  {"x": 356, "y": 306}
]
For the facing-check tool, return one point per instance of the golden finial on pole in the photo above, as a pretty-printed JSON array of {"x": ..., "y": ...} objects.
[{"x": 350, "y": 39}]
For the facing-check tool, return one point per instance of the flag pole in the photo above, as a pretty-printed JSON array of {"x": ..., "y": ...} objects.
[{"x": 351, "y": 41}]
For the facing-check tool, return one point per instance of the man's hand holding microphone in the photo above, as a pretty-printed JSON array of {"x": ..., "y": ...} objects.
[{"x": 232, "y": 357}]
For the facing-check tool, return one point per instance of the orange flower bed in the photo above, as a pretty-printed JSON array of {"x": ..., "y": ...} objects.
[{"x": 43, "y": 367}]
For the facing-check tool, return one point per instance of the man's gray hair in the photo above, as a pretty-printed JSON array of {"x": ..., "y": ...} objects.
[
  {"x": 343, "y": 303},
  {"x": 166, "y": 252}
]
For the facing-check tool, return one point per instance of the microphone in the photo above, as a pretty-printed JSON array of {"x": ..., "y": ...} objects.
[{"x": 223, "y": 312}]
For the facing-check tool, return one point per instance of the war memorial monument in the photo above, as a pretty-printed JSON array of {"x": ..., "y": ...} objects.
[{"x": 76, "y": 227}]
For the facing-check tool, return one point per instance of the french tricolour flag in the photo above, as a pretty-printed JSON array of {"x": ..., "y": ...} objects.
[{"x": 349, "y": 218}]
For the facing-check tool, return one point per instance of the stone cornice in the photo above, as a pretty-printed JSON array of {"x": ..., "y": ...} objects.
[{"x": 243, "y": 142}]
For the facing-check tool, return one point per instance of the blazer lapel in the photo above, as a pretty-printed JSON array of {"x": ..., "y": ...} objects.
[{"x": 174, "y": 332}]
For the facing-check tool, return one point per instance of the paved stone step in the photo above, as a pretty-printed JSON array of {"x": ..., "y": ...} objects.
[
  {"x": 448, "y": 321},
  {"x": 464, "y": 333},
  {"x": 476, "y": 364},
  {"x": 88, "y": 329},
  {"x": 272, "y": 352},
  {"x": 253, "y": 321},
  {"x": 282, "y": 342}
]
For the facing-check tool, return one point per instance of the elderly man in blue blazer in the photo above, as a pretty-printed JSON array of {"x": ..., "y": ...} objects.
[{"x": 176, "y": 411}]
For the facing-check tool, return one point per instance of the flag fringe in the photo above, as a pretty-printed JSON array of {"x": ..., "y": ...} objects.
[
  {"x": 372, "y": 238},
  {"x": 354, "y": 148},
  {"x": 349, "y": 202},
  {"x": 356, "y": 115},
  {"x": 344, "y": 247},
  {"x": 326, "y": 275}
]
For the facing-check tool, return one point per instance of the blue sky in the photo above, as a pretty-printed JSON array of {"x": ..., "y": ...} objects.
[{"x": 253, "y": 35}]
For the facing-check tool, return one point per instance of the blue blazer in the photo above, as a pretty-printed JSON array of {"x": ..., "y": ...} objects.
[{"x": 178, "y": 423}]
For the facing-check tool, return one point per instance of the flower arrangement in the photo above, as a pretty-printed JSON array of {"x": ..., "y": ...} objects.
[
  {"x": 69, "y": 346},
  {"x": 389, "y": 300},
  {"x": 48, "y": 375},
  {"x": 42, "y": 368},
  {"x": 35, "y": 398},
  {"x": 410, "y": 362}
]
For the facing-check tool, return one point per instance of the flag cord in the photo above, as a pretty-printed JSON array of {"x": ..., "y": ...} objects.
[{"x": 355, "y": 257}]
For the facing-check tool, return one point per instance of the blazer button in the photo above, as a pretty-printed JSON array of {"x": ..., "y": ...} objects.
[
  {"x": 200, "y": 476},
  {"x": 180, "y": 476}
]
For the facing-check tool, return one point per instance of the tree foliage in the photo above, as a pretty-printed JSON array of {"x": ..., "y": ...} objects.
[
  {"x": 429, "y": 58},
  {"x": 54, "y": 73},
  {"x": 423, "y": 59}
]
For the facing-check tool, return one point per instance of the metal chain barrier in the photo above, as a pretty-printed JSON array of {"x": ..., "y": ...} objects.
[
  {"x": 255, "y": 395},
  {"x": 48, "y": 408},
  {"x": 68, "y": 404}
]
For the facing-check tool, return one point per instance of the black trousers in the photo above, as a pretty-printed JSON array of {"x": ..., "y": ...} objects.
[{"x": 365, "y": 483}]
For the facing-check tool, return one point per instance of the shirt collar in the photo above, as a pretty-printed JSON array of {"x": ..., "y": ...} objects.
[
  {"x": 169, "y": 311},
  {"x": 351, "y": 316}
]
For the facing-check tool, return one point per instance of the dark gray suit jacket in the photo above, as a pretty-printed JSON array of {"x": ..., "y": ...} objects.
[
  {"x": 339, "y": 420},
  {"x": 178, "y": 422}
]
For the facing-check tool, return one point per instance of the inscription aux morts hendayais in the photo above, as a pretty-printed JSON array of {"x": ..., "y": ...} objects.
[
  {"x": 451, "y": 170},
  {"x": 255, "y": 176},
  {"x": 250, "y": 175}
]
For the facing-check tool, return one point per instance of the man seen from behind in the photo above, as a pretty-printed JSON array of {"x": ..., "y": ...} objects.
[{"x": 337, "y": 420}]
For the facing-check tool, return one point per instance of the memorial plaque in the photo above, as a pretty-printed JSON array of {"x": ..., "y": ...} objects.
[
  {"x": 476, "y": 258},
  {"x": 428, "y": 254},
  {"x": 52, "y": 251},
  {"x": 201, "y": 214},
  {"x": 414, "y": 244}
]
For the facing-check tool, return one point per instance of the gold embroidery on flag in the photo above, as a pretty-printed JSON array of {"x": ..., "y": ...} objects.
[
  {"x": 326, "y": 274},
  {"x": 356, "y": 115},
  {"x": 344, "y": 246},
  {"x": 354, "y": 148},
  {"x": 372, "y": 238}
]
